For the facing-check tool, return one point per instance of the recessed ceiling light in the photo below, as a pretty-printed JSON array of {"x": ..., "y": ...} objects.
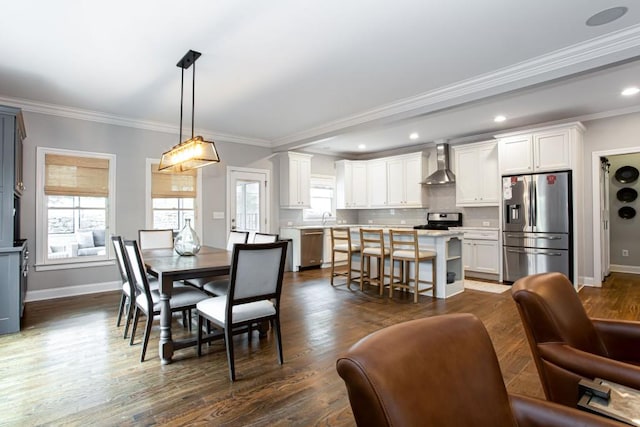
[
  {"x": 606, "y": 16},
  {"x": 630, "y": 91},
  {"x": 361, "y": 147},
  {"x": 499, "y": 118},
  {"x": 414, "y": 136}
]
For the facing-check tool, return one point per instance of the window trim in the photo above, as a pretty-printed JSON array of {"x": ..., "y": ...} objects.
[
  {"x": 42, "y": 261},
  {"x": 333, "y": 200},
  {"x": 148, "y": 205}
]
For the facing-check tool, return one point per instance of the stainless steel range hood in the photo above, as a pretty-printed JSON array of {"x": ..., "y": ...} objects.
[{"x": 443, "y": 175}]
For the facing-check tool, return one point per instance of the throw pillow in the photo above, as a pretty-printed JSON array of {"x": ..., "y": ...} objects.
[
  {"x": 98, "y": 238},
  {"x": 84, "y": 239}
]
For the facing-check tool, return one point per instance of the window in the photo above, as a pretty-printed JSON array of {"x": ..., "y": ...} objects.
[
  {"x": 248, "y": 205},
  {"x": 75, "y": 206},
  {"x": 172, "y": 198},
  {"x": 322, "y": 189}
]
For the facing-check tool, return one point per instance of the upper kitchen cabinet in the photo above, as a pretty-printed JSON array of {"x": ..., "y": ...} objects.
[
  {"x": 351, "y": 184},
  {"x": 546, "y": 149},
  {"x": 377, "y": 181},
  {"x": 477, "y": 176},
  {"x": 295, "y": 175},
  {"x": 404, "y": 180}
]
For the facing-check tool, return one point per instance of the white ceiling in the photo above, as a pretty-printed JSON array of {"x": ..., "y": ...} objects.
[{"x": 290, "y": 73}]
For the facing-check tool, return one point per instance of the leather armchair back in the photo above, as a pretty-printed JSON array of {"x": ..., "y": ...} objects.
[
  {"x": 439, "y": 371},
  {"x": 552, "y": 312}
]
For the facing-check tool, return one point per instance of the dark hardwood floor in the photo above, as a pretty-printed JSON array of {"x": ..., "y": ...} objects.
[{"x": 70, "y": 366}]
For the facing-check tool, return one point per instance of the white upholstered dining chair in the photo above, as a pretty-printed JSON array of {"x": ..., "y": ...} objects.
[
  {"x": 147, "y": 301},
  {"x": 155, "y": 239},
  {"x": 254, "y": 296}
]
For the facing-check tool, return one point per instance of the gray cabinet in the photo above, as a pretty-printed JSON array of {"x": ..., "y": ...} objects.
[
  {"x": 13, "y": 251},
  {"x": 13, "y": 286},
  {"x": 11, "y": 186}
]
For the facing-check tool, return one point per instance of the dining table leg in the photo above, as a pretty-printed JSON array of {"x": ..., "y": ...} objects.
[{"x": 166, "y": 342}]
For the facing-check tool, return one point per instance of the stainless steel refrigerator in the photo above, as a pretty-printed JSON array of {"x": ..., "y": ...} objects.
[{"x": 537, "y": 225}]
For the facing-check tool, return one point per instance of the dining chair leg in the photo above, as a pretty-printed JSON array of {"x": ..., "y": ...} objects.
[
  {"x": 349, "y": 270},
  {"x": 276, "y": 330},
  {"x": 228, "y": 337},
  {"x": 123, "y": 298},
  {"x": 127, "y": 322},
  {"x": 199, "y": 342},
  {"x": 147, "y": 334},
  {"x": 381, "y": 275},
  {"x": 136, "y": 316}
]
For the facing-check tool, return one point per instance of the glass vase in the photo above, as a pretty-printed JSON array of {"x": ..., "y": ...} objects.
[{"x": 187, "y": 242}]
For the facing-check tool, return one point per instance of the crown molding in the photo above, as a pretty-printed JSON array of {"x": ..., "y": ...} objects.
[
  {"x": 99, "y": 117},
  {"x": 601, "y": 51}
]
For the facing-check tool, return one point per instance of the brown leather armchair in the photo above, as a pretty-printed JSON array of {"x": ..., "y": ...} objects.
[
  {"x": 441, "y": 371},
  {"x": 567, "y": 345}
]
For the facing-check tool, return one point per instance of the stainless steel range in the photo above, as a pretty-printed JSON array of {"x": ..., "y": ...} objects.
[{"x": 441, "y": 221}]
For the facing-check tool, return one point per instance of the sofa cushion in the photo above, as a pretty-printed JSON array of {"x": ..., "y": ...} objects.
[{"x": 84, "y": 239}]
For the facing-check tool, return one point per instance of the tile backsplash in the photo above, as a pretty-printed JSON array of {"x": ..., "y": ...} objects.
[{"x": 440, "y": 199}]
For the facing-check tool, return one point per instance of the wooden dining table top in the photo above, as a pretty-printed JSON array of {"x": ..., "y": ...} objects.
[{"x": 208, "y": 260}]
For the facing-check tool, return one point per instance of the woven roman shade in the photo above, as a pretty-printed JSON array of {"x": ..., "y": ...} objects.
[
  {"x": 76, "y": 176},
  {"x": 166, "y": 185}
]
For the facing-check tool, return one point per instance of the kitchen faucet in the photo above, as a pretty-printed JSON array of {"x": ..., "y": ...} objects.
[{"x": 325, "y": 215}]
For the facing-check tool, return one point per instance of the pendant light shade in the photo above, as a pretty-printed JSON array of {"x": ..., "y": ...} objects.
[
  {"x": 194, "y": 152},
  {"x": 190, "y": 154}
]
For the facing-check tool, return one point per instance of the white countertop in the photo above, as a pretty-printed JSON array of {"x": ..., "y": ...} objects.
[
  {"x": 475, "y": 228},
  {"x": 306, "y": 227}
]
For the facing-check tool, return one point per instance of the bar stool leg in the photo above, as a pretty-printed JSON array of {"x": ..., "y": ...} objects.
[
  {"x": 417, "y": 281},
  {"x": 333, "y": 265}
]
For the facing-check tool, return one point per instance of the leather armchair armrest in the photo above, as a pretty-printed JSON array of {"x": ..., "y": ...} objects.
[
  {"x": 530, "y": 412},
  {"x": 621, "y": 338},
  {"x": 590, "y": 365}
]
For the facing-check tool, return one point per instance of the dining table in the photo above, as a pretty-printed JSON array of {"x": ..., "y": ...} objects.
[{"x": 168, "y": 267}]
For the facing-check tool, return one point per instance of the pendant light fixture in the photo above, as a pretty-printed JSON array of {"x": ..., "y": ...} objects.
[{"x": 194, "y": 152}]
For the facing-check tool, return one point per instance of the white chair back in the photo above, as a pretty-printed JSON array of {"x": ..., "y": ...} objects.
[
  {"x": 265, "y": 238},
  {"x": 136, "y": 266},
  {"x": 257, "y": 271},
  {"x": 155, "y": 239},
  {"x": 237, "y": 237}
]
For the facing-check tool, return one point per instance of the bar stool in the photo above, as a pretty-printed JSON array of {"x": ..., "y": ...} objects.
[
  {"x": 372, "y": 245},
  {"x": 405, "y": 249},
  {"x": 341, "y": 243}
]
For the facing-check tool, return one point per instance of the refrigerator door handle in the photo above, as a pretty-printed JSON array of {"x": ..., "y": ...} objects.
[
  {"x": 534, "y": 202},
  {"x": 520, "y": 236},
  {"x": 533, "y": 252}
]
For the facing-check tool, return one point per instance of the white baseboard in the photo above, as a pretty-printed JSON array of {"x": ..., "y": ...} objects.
[
  {"x": 70, "y": 291},
  {"x": 591, "y": 281},
  {"x": 633, "y": 269}
]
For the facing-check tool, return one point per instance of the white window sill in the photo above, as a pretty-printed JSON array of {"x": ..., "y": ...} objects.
[{"x": 74, "y": 265}]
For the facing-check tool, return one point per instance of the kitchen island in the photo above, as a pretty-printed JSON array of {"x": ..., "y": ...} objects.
[{"x": 447, "y": 244}]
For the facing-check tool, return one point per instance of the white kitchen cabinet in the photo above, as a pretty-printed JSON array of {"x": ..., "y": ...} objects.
[
  {"x": 377, "y": 182},
  {"x": 351, "y": 184},
  {"x": 540, "y": 150},
  {"x": 481, "y": 252},
  {"x": 477, "y": 175},
  {"x": 404, "y": 180},
  {"x": 295, "y": 175}
]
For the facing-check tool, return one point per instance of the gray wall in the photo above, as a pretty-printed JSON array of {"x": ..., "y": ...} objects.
[
  {"x": 131, "y": 147},
  {"x": 615, "y": 133},
  {"x": 625, "y": 233}
]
